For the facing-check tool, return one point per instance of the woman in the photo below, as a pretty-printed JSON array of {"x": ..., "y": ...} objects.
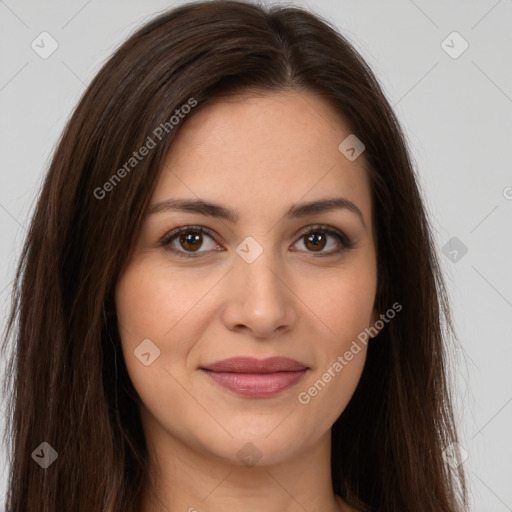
[{"x": 228, "y": 298}]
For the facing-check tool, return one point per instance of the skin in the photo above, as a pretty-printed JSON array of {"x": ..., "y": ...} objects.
[{"x": 256, "y": 154}]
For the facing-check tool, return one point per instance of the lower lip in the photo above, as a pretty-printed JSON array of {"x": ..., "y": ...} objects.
[{"x": 256, "y": 384}]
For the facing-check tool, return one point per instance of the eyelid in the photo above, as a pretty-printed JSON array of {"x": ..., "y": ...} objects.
[{"x": 345, "y": 241}]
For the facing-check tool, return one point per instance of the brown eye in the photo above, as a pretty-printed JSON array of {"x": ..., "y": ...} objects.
[
  {"x": 315, "y": 240},
  {"x": 191, "y": 241},
  {"x": 318, "y": 238}
]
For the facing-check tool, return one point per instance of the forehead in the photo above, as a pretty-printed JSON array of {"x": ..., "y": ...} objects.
[{"x": 259, "y": 151}]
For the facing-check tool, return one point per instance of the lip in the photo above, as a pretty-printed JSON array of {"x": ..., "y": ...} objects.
[{"x": 249, "y": 376}]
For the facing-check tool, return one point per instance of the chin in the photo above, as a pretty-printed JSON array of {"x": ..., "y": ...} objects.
[{"x": 265, "y": 445}]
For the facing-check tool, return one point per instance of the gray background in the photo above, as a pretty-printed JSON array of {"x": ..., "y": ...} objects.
[{"x": 457, "y": 115}]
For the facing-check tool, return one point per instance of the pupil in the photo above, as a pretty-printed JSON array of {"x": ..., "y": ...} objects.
[
  {"x": 317, "y": 240},
  {"x": 189, "y": 239}
]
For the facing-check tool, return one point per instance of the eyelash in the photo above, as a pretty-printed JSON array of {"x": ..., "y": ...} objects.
[{"x": 165, "y": 241}]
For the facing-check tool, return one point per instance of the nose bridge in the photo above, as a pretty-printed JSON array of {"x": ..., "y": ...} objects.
[
  {"x": 258, "y": 297},
  {"x": 261, "y": 277},
  {"x": 258, "y": 269}
]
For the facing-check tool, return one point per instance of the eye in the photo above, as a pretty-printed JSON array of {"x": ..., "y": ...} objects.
[
  {"x": 189, "y": 240},
  {"x": 317, "y": 238}
]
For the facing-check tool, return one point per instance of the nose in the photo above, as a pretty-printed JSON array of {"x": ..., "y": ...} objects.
[{"x": 259, "y": 299}]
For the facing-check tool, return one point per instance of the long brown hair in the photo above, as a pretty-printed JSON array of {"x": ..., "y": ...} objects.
[{"x": 67, "y": 379}]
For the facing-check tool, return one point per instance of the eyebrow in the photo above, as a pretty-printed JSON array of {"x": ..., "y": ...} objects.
[{"x": 216, "y": 210}]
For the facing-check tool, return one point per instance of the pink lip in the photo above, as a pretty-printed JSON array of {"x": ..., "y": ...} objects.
[{"x": 253, "y": 377}]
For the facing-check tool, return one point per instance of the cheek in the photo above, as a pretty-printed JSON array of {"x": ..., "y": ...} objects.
[
  {"x": 146, "y": 311},
  {"x": 139, "y": 303},
  {"x": 147, "y": 305},
  {"x": 326, "y": 394},
  {"x": 159, "y": 304},
  {"x": 343, "y": 302}
]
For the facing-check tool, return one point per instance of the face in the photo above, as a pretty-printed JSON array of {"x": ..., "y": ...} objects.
[{"x": 271, "y": 278}]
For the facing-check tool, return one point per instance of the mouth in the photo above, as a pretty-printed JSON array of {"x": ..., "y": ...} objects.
[{"x": 256, "y": 378}]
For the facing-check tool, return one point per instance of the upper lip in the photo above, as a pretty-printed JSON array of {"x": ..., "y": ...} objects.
[{"x": 254, "y": 365}]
